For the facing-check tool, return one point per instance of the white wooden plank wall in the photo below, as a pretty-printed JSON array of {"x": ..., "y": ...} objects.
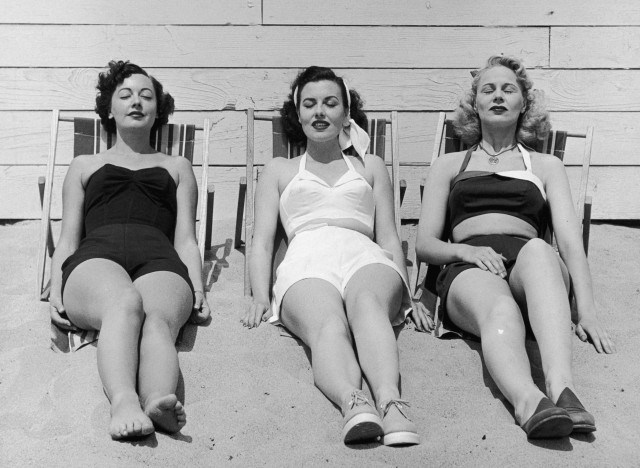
[{"x": 218, "y": 57}]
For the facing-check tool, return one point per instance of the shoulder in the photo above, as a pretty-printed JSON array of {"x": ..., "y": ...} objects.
[
  {"x": 281, "y": 166},
  {"x": 81, "y": 167},
  {"x": 448, "y": 163},
  {"x": 370, "y": 160},
  {"x": 546, "y": 165},
  {"x": 180, "y": 163}
]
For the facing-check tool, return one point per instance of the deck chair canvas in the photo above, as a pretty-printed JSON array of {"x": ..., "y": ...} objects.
[
  {"x": 446, "y": 141},
  {"x": 282, "y": 148},
  {"x": 91, "y": 138}
]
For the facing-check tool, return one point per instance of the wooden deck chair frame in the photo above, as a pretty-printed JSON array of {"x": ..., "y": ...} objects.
[
  {"x": 90, "y": 142},
  {"x": 446, "y": 141},
  {"x": 282, "y": 148}
]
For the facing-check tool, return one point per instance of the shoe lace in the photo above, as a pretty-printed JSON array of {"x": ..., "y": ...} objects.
[
  {"x": 386, "y": 405},
  {"x": 358, "y": 398}
]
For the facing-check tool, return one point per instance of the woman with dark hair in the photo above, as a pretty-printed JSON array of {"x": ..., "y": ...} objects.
[
  {"x": 494, "y": 203},
  {"x": 136, "y": 273},
  {"x": 336, "y": 289}
]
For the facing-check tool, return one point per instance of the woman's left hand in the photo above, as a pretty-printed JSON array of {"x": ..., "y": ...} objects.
[
  {"x": 201, "y": 311},
  {"x": 590, "y": 329},
  {"x": 421, "y": 317}
]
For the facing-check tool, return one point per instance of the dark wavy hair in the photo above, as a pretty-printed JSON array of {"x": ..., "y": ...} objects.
[
  {"x": 533, "y": 124},
  {"x": 109, "y": 80},
  {"x": 289, "y": 112}
]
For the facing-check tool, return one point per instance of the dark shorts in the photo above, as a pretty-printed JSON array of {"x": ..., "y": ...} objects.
[
  {"x": 508, "y": 246},
  {"x": 138, "y": 248}
]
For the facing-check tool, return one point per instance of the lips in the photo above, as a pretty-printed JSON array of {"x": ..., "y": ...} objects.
[
  {"x": 320, "y": 125},
  {"x": 135, "y": 114},
  {"x": 498, "y": 109}
]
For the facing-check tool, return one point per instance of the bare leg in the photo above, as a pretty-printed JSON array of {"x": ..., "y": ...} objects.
[
  {"x": 481, "y": 303},
  {"x": 313, "y": 310},
  {"x": 538, "y": 278},
  {"x": 99, "y": 295},
  {"x": 167, "y": 302},
  {"x": 372, "y": 298}
]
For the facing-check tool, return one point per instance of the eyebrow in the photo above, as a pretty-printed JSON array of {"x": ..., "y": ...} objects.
[
  {"x": 503, "y": 85},
  {"x": 130, "y": 90},
  {"x": 328, "y": 97}
]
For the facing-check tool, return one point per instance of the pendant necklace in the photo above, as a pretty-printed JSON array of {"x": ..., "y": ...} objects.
[{"x": 493, "y": 158}]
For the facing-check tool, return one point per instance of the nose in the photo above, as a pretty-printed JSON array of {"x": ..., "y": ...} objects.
[
  {"x": 319, "y": 110},
  {"x": 135, "y": 100},
  {"x": 498, "y": 96}
]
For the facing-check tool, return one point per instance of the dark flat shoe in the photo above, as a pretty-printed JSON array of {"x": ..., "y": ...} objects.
[
  {"x": 583, "y": 421},
  {"x": 548, "y": 421}
]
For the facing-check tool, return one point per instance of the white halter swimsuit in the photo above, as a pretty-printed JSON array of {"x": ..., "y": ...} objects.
[{"x": 318, "y": 249}]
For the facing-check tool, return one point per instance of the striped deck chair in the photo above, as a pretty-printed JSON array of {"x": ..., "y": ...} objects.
[
  {"x": 377, "y": 130},
  {"x": 447, "y": 141},
  {"x": 91, "y": 138}
]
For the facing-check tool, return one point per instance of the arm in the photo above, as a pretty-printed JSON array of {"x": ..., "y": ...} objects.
[
  {"x": 72, "y": 220},
  {"x": 385, "y": 227},
  {"x": 267, "y": 198},
  {"x": 569, "y": 239},
  {"x": 185, "y": 236}
]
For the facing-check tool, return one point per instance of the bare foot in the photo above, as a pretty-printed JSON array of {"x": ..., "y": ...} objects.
[
  {"x": 127, "y": 418},
  {"x": 166, "y": 412}
]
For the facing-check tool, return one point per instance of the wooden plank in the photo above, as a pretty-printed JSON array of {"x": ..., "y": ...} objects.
[
  {"x": 617, "y": 47},
  {"x": 20, "y": 198},
  {"x": 24, "y": 136},
  {"x": 209, "y": 12},
  {"x": 382, "y": 89},
  {"x": 614, "y": 189},
  {"x": 256, "y": 46},
  {"x": 452, "y": 12}
]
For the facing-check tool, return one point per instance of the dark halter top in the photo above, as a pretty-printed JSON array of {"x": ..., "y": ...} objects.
[
  {"x": 117, "y": 195},
  {"x": 516, "y": 193}
]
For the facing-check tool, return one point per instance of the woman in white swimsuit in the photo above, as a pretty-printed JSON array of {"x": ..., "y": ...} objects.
[{"x": 336, "y": 289}]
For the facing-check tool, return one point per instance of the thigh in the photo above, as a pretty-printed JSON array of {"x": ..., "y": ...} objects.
[
  {"x": 378, "y": 281},
  {"x": 166, "y": 296},
  {"x": 93, "y": 288},
  {"x": 536, "y": 263},
  {"x": 473, "y": 295},
  {"x": 309, "y": 306}
]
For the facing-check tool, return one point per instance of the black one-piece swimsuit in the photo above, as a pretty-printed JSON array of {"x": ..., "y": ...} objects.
[{"x": 129, "y": 218}]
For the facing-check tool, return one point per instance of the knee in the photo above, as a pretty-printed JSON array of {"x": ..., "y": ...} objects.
[
  {"x": 127, "y": 305},
  {"x": 333, "y": 328},
  {"x": 504, "y": 317},
  {"x": 537, "y": 250}
]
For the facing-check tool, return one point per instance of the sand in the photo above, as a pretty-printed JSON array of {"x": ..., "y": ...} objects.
[{"x": 250, "y": 398}]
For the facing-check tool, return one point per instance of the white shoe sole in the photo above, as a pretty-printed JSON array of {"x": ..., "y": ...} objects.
[{"x": 401, "y": 438}]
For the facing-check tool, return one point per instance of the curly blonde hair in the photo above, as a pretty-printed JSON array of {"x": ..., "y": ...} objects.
[{"x": 533, "y": 124}]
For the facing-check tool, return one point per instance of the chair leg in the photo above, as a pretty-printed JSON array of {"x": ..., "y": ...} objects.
[
  {"x": 586, "y": 224},
  {"x": 242, "y": 193},
  {"x": 50, "y": 246},
  {"x": 403, "y": 190},
  {"x": 209, "y": 220}
]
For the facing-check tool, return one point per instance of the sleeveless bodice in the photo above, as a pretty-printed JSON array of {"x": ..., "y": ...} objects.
[
  {"x": 308, "y": 201},
  {"x": 118, "y": 195},
  {"x": 516, "y": 193}
]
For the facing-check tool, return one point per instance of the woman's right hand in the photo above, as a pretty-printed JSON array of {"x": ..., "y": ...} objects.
[
  {"x": 56, "y": 310},
  {"x": 485, "y": 258},
  {"x": 257, "y": 312}
]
